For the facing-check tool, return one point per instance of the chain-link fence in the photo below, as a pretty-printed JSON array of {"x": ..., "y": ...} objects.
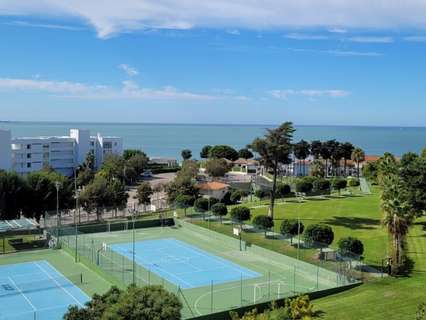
[{"x": 277, "y": 276}]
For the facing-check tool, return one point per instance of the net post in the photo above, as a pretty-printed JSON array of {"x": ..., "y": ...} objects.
[
  {"x": 317, "y": 278},
  {"x": 269, "y": 285},
  {"x": 211, "y": 297},
  {"x": 294, "y": 279},
  {"x": 81, "y": 277}
]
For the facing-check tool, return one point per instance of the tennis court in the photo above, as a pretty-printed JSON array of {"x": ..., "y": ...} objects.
[
  {"x": 206, "y": 270},
  {"x": 183, "y": 264},
  {"x": 36, "y": 290}
]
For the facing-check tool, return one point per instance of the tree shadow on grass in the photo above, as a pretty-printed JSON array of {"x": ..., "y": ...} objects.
[{"x": 354, "y": 222}]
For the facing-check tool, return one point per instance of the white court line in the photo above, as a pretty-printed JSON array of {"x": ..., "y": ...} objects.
[
  {"x": 23, "y": 294},
  {"x": 140, "y": 260},
  {"x": 228, "y": 264},
  {"x": 65, "y": 290}
]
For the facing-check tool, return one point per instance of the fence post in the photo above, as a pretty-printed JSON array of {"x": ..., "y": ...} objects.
[
  {"x": 269, "y": 285},
  {"x": 294, "y": 278},
  {"x": 241, "y": 290},
  {"x": 211, "y": 298}
]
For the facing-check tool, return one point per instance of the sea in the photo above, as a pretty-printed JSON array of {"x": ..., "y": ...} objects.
[{"x": 168, "y": 140}]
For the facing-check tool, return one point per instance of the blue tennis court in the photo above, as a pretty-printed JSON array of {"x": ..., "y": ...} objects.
[
  {"x": 36, "y": 290},
  {"x": 183, "y": 264}
]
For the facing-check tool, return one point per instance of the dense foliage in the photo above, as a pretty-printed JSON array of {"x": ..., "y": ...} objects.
[
  {"x": 291, "y": 227},
  {"x": 350, "y": 246},
  {"x": 318, "y": 235},
  {"x": 134, "y": 303},
  {"x": 263, "y": 222},
  {"x": 224, "y": 152}
]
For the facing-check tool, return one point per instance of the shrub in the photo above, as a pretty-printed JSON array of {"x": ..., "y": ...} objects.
[
  {"x": 318, "y": 234},
  {"x": 353, "y": 182},
  {"x": 219, "y": 209},
  {"x": 291, "y": 227},
  {"x": 223, "y": 151},
  {"x": 350, "y": 246},
  {"x": 235, "y": 196},
  {"x": 283, "y": 190},
  {"x": 240, "y": 214},
  {"x": 339, "y": 184},
  {"x": 203, "y": 204},
  {"x": 263, "y": 222},
  {"x": 217, "y": 167},
  {"x": 304, "y": 186},
  {"x": 260, "y": 193},
  {"x": 321, "y": 185}
]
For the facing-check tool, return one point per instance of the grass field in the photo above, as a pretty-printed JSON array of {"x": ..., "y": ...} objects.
[{"x": 357, "y": 216}]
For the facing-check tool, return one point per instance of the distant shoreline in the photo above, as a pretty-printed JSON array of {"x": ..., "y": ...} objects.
[{"x": 205, "y": 124}]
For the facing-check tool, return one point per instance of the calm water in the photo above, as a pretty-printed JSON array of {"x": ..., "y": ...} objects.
[{"x": 169, "y": 139}]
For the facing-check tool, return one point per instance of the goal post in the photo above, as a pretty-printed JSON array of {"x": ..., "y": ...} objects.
[{"x": 269, "y": 290}]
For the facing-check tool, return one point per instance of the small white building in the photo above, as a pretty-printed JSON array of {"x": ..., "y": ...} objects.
[
  {"x": 213, "y": 189},
  {"x": 161, "y": 161},
  {"x": 62, "y": 153}
]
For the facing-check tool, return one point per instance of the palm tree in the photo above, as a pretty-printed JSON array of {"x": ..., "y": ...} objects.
[
  {"x": 275, "y": 149},
  {"x": 347, "y": 149},
  {"x": 358, "y": 156},
  {"x": 397, "y": 219},
  {"x": 326, "y": 152},
  {"x": 301, "y": 151},
  {"x": 316, "y": 147}
]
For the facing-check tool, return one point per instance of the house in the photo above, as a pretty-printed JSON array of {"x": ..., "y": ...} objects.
[
  {"x": 213, "y": 189},
  {"x": 249, "y": 166},
  {"x": 164, "y": 162}
]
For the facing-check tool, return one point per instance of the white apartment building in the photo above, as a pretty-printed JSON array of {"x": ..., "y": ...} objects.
[{"x": 62, "y": 153}]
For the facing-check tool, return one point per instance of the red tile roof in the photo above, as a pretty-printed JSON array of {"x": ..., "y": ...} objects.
[{"x": 214, "y": 185}]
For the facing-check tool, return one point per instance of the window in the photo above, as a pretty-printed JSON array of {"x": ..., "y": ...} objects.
[
  {"x": 29, "y": 165},
  {"x": 108, "y": 145},
  {"x": 28, "y": 146},
  {"x": 28, "y": 155},
  {"x": 115, "y": 143},
  {"x": 92, "y": 143}
]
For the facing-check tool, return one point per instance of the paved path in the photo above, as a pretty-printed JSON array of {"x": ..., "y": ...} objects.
[{"x": 365, "y": 188}]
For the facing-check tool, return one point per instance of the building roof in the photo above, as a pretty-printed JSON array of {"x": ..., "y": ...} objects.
[
  {"x": 17, "y": 225},
  {"x": 371, "y": 158},
  {"x": 214, "y": 185},
  {"x": 246, "y": 161}
]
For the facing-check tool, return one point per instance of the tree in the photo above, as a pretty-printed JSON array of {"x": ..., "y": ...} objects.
[
  {"x": 13, "y": 191},
  {"x": 336, "y": 155},
  {"x": 129, "y": 153},
  {"x": 96, "y": 196},
  {"x": 42, "y": 192},
  {"x": 303, "y": 185},
  {"x": 301, "y": 151},
  {"x": 117, "y": 195},
  {"x": 321, "y": 185},
  {"x": 317, "y": 168},
  {"x": 369, "y": 171},
  {"x": 240, "y": 214},
  {"x": 350, "y": 246},
  {"x": 181, "y": 186},
  {"x": 138, "y": 162},
  {"x": 204, "y": 153},
  {"x": 339, "y": 184},
  {"x": 245, "y": 153},
  {"x": 326, "y": 153},
  {"x": 275, "y": 149},
  {"x": 263, "y": 222},
  {"x": 84, "y": 176},
  {"x": 283, "y": 190},
  {"x": 223, "y": 151},
  {"x": 148, "y": 302},
  {"x": 358, "y": 156},
  {"x": 235, "y": 196},
  {"x": 219, "y": 209},
  {"x": 316, "y": 147},
  {"x": 217, "y": 167},
  {"x": 144, "y": 193},
  {"x": 347, "y": 149},
  {"x": 184, "y": 202},
  {"x": 291, "y": 227},
  {"x": 186, "y": 154},
  {"x": 318, "y": 234},
  {"x": 204, "y": 204}
]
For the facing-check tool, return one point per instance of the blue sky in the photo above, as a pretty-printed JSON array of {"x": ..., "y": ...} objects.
[{"x": 232, "y": 62}]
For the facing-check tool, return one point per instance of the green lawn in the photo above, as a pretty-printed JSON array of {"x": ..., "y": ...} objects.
[{"x": 357, "y": 216}]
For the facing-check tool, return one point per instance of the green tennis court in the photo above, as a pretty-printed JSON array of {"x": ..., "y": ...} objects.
[{"x": 276, "y": 275}]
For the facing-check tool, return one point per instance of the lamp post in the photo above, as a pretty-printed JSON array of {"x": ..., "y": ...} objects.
[
  {"x": 133, "y": 251},
  {"x": 58, "y": 216}
]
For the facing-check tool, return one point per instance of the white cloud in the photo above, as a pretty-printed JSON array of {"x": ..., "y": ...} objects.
[
  {"x": 337, "y": 30},
  {"x": 128, "y": 90},
  {"x": 110, "y": 17},
  {"x": 310, "y": 93},
  {"x": 415, "y": 38},
  {"x": 43, "y": 25},
  {"x": 348, "y": 53},
  {"x": 371, "y": 39},
  {"x": 234, "y": 32},
  {"x": 303, "y": 36},
  {"x": 131, "y": 72}
]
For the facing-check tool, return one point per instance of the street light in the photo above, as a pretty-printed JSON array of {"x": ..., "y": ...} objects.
[{"x": 58, "y": 216}]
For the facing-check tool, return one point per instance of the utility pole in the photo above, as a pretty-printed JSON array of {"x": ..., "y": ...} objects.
[{"x": 58, "y": 216}]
